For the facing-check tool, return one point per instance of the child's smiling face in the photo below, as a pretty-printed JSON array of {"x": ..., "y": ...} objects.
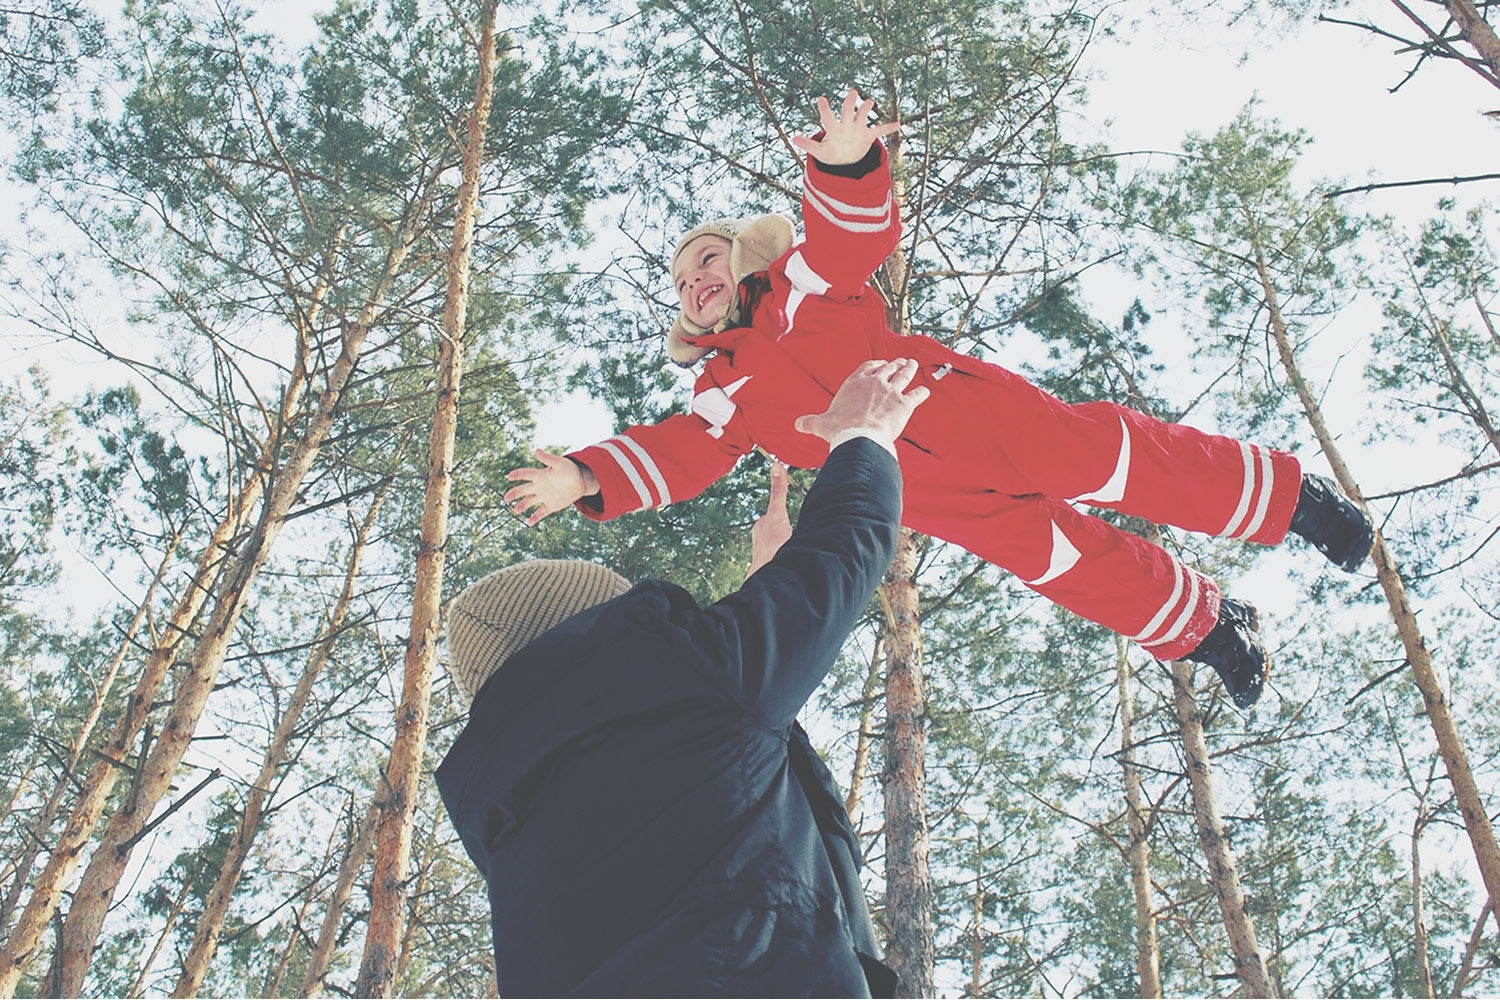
[{"x": 703, "y": 280}]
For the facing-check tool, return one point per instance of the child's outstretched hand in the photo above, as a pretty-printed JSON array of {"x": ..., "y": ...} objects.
[
  {"x": 847, "y": 135},
  {"x": 553, "y": 487}
]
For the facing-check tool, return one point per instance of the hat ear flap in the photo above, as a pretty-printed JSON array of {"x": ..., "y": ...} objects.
[
  {"x": 679, "y": 350},
  {"x": 760, "y": 244}
]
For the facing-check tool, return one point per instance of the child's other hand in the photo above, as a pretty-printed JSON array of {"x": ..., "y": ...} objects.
[
  {"x": 847, "y": 135},
  {"x": 553, "y": 487}
]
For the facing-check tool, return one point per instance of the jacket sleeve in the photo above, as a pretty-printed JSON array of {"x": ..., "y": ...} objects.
[
  {"x": 851, "y": 224},
  {"x": 783, "y": 629},
  {"x": 652, "y": 465}
]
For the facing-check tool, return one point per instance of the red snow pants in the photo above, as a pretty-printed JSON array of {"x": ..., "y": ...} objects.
[{"x": 995, "y": 464}]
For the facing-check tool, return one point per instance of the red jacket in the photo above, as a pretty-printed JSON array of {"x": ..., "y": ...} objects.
[{"x": 991, "y": 462}]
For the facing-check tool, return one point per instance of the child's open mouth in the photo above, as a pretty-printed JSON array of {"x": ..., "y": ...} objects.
[{"x": 708, "y": 293}]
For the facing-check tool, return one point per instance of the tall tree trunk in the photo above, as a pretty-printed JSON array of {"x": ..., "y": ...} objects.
[
  {"x": 866, "y": 733},
  {"x": 111, "y": 857},
  {"x": 908, "y": 883},
  {"x": 1477, "y": 32},
  {"x": 81, "y": 737},
  {"x": 22, "y": 944},
  {"x": 377, "y": 972},
  {"x": 1138, "y": 850},
  {"x": 216, "y": 906},
  {"x": 328, "y": 933},
  {"x": 42, "y": 906},
  {"x": 1439, "y": 714},
  {"x": 1248, "y": 964}
]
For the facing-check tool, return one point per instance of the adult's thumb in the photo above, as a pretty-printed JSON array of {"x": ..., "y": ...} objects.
[{"x": 803, "y": 423}]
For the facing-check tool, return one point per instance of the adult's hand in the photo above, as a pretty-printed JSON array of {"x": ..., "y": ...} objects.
[
  {"x": 874, "y": 401},
  {"x": 774, "y": 527}
]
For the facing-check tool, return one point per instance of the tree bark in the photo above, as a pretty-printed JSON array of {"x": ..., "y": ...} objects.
[
  {"x": 866, "y": 733},
  {"x": 24, "y": 940},
  {"x": 1138, "y": 849},
  {"x": 1477, "y": 32},
  {"x": 216, "y": 906},
  {"x": 81, "y": 737},
  {"x": 1248, "y": 964},
  {"x": 96, "y": 889},
  {"x": 908, "y": 882},
  {"x": 1418, "y": 912},
  {"x": 1439, "y": 714},
  {"x": 378, "y": 967},
  {"x": 328, "y": 933},
  {"x": 42, "y": 906}
]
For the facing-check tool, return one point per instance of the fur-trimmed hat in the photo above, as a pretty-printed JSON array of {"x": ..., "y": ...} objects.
[
  {"x": 504, "y": 611},
  {"x": 755, "y": 243}
]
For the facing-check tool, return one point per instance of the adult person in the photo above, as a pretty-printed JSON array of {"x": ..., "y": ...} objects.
[{"x": 648, "y": 816}]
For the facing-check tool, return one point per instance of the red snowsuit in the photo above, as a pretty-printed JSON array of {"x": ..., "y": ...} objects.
[{"x": 990, "y": 461}]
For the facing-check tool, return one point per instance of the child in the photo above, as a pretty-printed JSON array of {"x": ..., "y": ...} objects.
[{"x": 991, "y": 462}]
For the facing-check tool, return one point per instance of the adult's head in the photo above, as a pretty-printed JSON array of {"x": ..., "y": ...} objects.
[{"x": 504, "y": 611}]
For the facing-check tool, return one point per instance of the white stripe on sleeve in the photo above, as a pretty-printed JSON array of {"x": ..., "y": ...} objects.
[
  {"x": 649, "y": 464},
  {"x": 629, "y": 469}
]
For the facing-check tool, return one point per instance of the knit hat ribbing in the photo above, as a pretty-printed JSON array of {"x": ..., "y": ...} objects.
[{"x": 504, "y": 611}]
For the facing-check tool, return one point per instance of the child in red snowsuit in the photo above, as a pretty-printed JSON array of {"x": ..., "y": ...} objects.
[{"x": 991, "y": 462}]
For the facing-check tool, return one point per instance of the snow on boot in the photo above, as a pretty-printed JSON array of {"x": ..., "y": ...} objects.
[
  {"x": 1332, "y": 523},
  {"x": 1233, "y": 648}
]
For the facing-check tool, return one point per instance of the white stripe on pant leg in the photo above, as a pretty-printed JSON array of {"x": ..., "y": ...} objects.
[
  {"x": 630, "y": 473},
  {"x": 1191, "y": 608},
  {"x": 1266, "y": 483},
  {"x": 1113, "y": 491},
  {"x": 1246, "y": 491},
  {"x": 1065, "y": 556},
  {"x": 1178, "y": 583}
]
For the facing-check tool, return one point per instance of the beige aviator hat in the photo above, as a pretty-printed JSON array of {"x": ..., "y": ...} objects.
[
  {"x": 504, "y": 611},
  {"x": 755, "y": 243}
]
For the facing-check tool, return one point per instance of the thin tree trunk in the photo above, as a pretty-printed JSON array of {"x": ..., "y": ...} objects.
[
  {"x": 866, "y": 731},
  {"x": 81, "y": 737},
  {"x": 908, "y": 882},
  {"x": 1138, "y": 851},
  {"x": 173, "y": 913},
  {"x": 976, "y": 930},
  {"x": 294, "y": 934},
  {"x": 1418, "y": 912},
  {"x": 328, "y": 933},
  {"x": 1439, "y": 714},
  {"x": 1466, "y": 967},
  {"x": 1248, "y": 964},
  {"x": 216, "y": 906},
  {"x": 96, "y": 890},
  {"x": 42, "y": 906},
  {"x": 377, "y": 974}
]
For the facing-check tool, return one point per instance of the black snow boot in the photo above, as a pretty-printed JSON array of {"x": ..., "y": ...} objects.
[
  {"x": 1332, "y": 523},
  {"x": 1233, "y": 648}
]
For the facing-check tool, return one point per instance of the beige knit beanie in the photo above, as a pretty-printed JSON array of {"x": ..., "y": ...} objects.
[
  {"x": 755, "y": 243},
  {"x": 499, "y": 614}
]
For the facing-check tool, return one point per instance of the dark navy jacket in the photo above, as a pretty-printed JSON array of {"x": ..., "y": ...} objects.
[{"x": 648, "y": 816}]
